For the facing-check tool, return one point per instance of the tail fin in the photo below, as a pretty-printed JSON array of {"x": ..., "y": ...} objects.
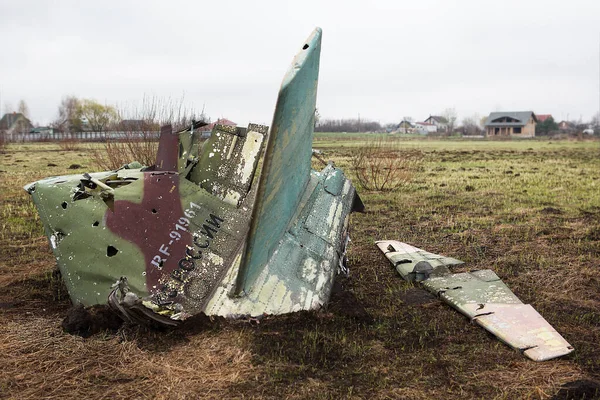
[{"x": 286, "y": 169}]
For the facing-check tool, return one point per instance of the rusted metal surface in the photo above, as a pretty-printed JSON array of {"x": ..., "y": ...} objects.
[{"x": 482, "y": 297}]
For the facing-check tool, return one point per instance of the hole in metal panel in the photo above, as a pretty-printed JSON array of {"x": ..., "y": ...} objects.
[{"x": 111, "y": 251}]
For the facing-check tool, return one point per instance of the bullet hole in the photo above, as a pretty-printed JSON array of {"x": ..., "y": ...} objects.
[
  {"x": 154, "y": 211},
  {"x": 64, "y": 205},
  {"x": 111, "y": 251},
  {"x": 305, "y": 47},
  {"x": 96, "y": 223}
]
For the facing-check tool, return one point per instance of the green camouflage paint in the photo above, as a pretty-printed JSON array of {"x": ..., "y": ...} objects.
[
  {"x": 196, "y": 232},
  {"x": 482, "y": 297}
]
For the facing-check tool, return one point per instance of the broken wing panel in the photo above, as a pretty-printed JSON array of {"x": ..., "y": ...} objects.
[
  {"x": 478, "y": 287},
  {"x": 287, "y": 161},
  {"x": 522, "y": 328},
  {"x": 482, "y": 297},
  {"x": 412, "y": 263}
]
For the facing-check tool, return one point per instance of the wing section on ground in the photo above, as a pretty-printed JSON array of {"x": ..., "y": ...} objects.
[
  {"x": 482, "y": 297},
  {"x": 412, "y": 263}
]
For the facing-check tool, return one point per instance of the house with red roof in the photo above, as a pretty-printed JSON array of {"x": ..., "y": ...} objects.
[{"x": 543, "y": 117}]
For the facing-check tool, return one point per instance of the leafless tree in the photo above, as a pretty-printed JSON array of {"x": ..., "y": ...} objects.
[
  {"x": 595, "y": 122},
  {"x": 471, "y": 125},
  {"x": 139, "y": 126},
  {"x": 8, "y": 108},
  {"x": 23, "y": 108},
  {"x": 450, "y": 115},
  {"x": 67, "y": 115}
]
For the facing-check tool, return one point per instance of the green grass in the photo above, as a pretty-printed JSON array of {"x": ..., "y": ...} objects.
[{"x": 528, "y": 209}]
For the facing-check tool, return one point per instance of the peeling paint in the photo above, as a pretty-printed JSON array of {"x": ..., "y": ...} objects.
[
  {"x": 197, "y": 231},
  {"x": 483, "y": 298}
]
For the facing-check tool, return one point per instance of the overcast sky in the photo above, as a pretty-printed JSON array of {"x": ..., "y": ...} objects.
[{"x": 381, "y": 59}]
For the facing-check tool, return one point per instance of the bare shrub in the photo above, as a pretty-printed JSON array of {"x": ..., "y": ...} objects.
[
  {"x": 380, "y": 165},
  {"x": 137, "y": 133},
  {"x": 114, "y": 153},
  {"x": 69, "y": 144}
]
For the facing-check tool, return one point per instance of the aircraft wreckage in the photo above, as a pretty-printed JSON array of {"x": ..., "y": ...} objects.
[
  {"x": 482, "y": 297},
  {"x": 205, "y": 230}
]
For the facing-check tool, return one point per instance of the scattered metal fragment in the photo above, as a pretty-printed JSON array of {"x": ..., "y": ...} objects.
[
  {"x": 201, "y": 230},
  {"x": 482, "y": 297}
]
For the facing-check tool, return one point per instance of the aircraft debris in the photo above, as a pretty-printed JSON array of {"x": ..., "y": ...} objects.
[
  {"x": 482, "y": 297},
  {"x": 203, "y": 230}
]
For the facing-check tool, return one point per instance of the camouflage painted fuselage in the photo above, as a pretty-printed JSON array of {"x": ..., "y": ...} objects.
[{"x": 197, "y": 232}]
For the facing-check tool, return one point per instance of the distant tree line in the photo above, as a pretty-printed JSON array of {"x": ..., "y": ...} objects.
[{"x": 347, "y": 125}]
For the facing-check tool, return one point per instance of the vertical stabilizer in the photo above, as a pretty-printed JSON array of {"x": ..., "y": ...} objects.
[{"x": 286, "y": 170}]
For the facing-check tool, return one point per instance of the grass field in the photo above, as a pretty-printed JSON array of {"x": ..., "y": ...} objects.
[{"x": 529, "y": 210}]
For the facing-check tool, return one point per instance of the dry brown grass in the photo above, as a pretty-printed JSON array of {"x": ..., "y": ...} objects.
[
  {"x": 536, "y": 227},
  {"x": 40, "y": 361}
]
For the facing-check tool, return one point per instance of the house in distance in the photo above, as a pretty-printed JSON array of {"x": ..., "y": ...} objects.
[
  {"x": 512, "y": 123},
  {"x": 440, "y": 123},
  {"x": 12, "y": 123}
]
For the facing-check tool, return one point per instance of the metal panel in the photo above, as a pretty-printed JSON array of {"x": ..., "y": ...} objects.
[
  {"x": 286, "y": 169},
  {"x": 228, "y": 161},
  {"x": 460, "y": 290},
  {"x": 482, "y": 297},
  {"x": 412, "y": 263},
  {"x": 522, "y": 328}
]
